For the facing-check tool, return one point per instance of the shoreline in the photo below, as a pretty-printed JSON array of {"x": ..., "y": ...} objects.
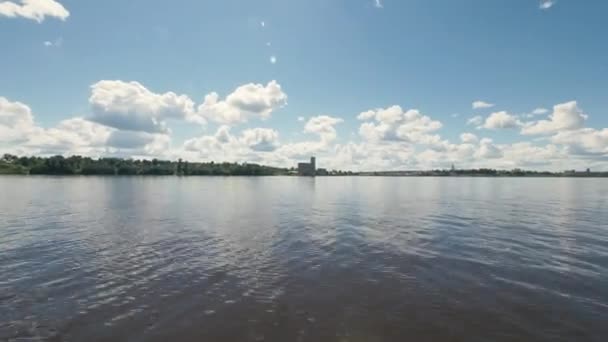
[{"x": 297, "y": 176}]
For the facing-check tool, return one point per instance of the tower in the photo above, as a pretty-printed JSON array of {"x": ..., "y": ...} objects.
[{"x": 313, "y": 164}]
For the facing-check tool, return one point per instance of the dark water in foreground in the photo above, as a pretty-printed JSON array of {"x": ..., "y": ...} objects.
[{"x": 298, "y": 259}]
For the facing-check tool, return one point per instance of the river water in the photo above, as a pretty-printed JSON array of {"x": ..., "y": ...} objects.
[{"x": 302, "y": 259}]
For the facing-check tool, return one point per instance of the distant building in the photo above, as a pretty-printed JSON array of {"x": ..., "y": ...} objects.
[
  {"x": 307, "y": 169},
  {"x": 322, "y": 172}
]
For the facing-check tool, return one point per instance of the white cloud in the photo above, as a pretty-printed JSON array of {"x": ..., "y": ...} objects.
[
  {"x": 15, "y": 114},
  {"x": 370, "y": 114},
  {"x": 323, "y": 126},
  {"x": 261, "y": 139},
  {"x": 393, "y": 139},
  {"x": 17, "y": 126},
  {"x": 129, "y": 139},
  {"x": 273, "y": 59},
  {"x": 250, "y": 100},
  {"x": 393, "y": 123},
  {"x": 75, "y": 135},
  {"x": 501, "y": 120},
  {"x": 475, "y": 121},
  {"x": 488, "y": 150},
  {"x": 468, "y": 138},
  {"x": 481, "y": 104},
  {"x": 55, "y": 43},
  {"x": 565, "y": 116},
  {"x": 368, "y": 156},
  {"x": 16, "y": 120},
  {"x": 378, "y": 4},
  {"x": 131, "y": 106},
  {"x": 540, "y": 111},
  {"x": 586, "y": 140},
  {"x": 301, "y": 118},
  {"x": 71, "y": 136},
  {"x": 546, "y": 4},
  {"x": 253, "y": 145},
  {"x": 206, "y": 144},
  {"x": 529, "y": 156},
  {"x": 262, "y": 23},
  {"x": 36, "y": 10}
]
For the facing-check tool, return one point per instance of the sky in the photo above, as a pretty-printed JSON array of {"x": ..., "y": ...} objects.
[{"x": 361, "y": 84}]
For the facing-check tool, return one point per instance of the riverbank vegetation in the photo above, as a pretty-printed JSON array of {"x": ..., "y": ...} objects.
[{"x": 78, "y": 165}]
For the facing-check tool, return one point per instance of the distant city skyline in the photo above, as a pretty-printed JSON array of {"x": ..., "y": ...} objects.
[{"x": 363, "y": 85}]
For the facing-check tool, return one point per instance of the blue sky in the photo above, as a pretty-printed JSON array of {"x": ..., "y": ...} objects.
[{"x": 334, "y": 59}]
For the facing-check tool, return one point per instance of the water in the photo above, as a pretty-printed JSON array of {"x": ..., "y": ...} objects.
[{"x": 301, "y": 259}]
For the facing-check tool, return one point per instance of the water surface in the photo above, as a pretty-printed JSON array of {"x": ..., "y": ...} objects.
[{"x": 302, "y": 259}]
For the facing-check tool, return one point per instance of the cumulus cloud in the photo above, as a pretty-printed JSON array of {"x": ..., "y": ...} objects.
[
  {"x": 36, "y": 10},
  {"x": 205, "y": 144},
  {"x": 75, "y": 135},
  {"x": 488, "y": 150},
  {"x": 323, "y": 126},
  {"x": 395, "y": 124},
  {"x": 584, "y": 141},
  {"x": 261, "y": 139},
  {"x": 250, "y": 100},
  {"x": 131, "y": 106},
  {"x": 378, "y": 4},
  {"x": 501, "y": 120},
  {"x": 84, "y": 137},
  {"x": 367, "y": 156},
  {"x": 481, "y": 105},
  {"x": 566, "y": 116},
  {"x": 468, "y": 138},
  {"x": 17, "y": 126},
  {"x": 71, "y": 136},
  {"x": 15, "y": 114},
  {"x": 392, "y": 138},
  {"x": 225, "y": 146},
  {"x": 273, "y": 60},
  {"x": 16, "y": 120}
]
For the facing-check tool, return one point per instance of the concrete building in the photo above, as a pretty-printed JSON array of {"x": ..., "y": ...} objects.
[{"x": 307, "y": 169}]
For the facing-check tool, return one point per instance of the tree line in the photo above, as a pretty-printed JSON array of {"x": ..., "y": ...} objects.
[{"x": 79, "y": 165}]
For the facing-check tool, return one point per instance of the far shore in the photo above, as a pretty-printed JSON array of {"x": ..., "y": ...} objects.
[{"x": 86, "y": 166}]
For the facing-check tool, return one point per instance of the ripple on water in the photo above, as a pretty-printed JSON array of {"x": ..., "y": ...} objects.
[{"x": 357, "y": 259}]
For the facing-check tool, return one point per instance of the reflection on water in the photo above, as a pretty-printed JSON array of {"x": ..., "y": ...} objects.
[{"x": 302, "y": 259}]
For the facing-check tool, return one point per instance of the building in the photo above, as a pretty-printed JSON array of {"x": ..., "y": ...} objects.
[{"x": 307, "y": 169}]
